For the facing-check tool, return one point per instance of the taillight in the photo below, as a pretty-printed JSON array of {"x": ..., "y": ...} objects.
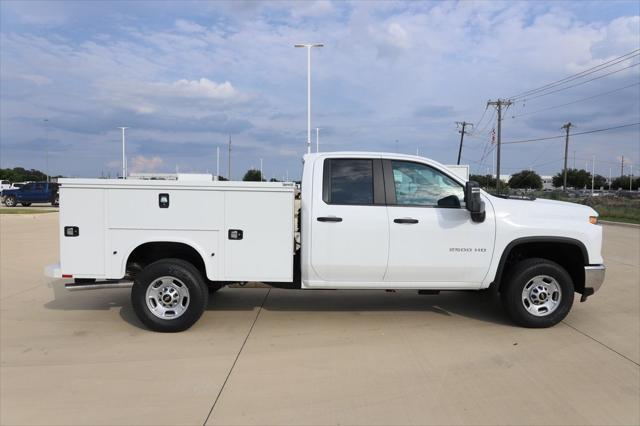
[{"x": 593, "y": 220}]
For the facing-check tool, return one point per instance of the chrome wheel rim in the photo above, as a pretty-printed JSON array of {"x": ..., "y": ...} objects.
[
  {"x": 167, "y": 298},
  {"x": 541, "y": 295}
]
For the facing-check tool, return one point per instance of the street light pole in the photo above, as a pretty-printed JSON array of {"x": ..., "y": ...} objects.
[
  {"x": 124, "y": 158},
  {"x": 317, "y": 139},
  {"x": 309, "y": 47},
  {"x": 46, "y": 142}
]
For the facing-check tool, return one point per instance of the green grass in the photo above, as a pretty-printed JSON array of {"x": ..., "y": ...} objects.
[
  {"x": 620, "y": 219},
  {"x": 18, "y": 210}
]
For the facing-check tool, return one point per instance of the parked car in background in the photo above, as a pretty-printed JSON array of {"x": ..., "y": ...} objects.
[
  {"x": 5, "y": 184},
  {"x": 33, "y": 192}
]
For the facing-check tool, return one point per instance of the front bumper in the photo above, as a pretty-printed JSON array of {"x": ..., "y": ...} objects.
[{"x": 593, "y": 279}]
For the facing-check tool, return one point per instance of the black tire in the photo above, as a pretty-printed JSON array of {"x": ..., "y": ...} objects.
[
  {"x": 25, "y": 204},
  {"x": 185, "y": 274},
  {"x": 522, "y": 274},
  {"x": 10, "y": 201}
]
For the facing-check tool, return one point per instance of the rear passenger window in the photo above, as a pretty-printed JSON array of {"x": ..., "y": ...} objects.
[{"x": 350, "y": 182}]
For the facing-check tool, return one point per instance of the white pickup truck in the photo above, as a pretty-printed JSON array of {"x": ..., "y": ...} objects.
[{"x": 365, "y": 221}]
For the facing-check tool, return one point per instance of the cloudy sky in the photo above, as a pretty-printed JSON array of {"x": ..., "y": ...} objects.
[{"x": 186, "y": 75}]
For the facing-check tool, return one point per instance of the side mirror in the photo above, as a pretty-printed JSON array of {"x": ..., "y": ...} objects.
[{"x": 474, "y": 203}]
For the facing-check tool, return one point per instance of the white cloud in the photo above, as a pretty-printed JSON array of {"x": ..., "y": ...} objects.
[
  {"x": 36, "y": 79},
  {"x": 311, "y": 9},
  {"x": 391, "y": 39},
  {"x": 203, "y": 88},
  {"x": 140, "y": 163},
  {"x": 189, "y": 27}
]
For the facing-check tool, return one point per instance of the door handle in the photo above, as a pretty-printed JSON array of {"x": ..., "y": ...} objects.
[
  {"x": 406, "y": 220},
  {"x": 329, "y": 219}
]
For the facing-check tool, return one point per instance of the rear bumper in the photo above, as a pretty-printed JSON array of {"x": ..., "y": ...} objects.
[
  {"x": 593, "y": 279},
  {"x": 53, "y": 271}
]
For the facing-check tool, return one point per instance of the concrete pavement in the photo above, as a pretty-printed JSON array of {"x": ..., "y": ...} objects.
[{"x": 260, "y": 356}]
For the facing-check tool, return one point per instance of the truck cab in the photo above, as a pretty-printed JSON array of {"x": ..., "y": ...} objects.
[{"x": 364, "y": 221}]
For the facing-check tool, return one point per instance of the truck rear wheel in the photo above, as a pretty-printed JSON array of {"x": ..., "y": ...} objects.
[
  {"x": 169, "y": 295},
  {"x": 537, "y": 293}
]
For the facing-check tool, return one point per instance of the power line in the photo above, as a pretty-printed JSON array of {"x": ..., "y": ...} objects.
[
  {"x": 576, "y": 101},
  {"x": 475, "y": 126},
  {"x": 581, "y": 74},
  {"x": 572, "y": 134},
  {"x": 581, "y": 83},
  {"x": 486, "y": 124}
]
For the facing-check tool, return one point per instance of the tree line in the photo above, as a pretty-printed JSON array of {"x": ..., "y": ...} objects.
[
  {"x": 20, "y": 174},
  {"x": 576, "y": 178}
]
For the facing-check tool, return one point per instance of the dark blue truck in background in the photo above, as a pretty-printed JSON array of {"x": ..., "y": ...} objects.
[{"x": 33, "y": 192}]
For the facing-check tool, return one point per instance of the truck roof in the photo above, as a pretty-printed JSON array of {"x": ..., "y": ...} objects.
[{"x": 386, "y": 155}]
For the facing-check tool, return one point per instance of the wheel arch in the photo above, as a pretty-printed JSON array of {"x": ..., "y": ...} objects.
[
  {"x": 146, "y": 252},
  {"x": 569, "y": 253}
]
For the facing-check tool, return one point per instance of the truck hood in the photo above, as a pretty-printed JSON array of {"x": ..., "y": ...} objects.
[{"x": 542, "y": 208}]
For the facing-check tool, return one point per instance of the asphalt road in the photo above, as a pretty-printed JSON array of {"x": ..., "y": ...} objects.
[{"x": 261, "y": 356}]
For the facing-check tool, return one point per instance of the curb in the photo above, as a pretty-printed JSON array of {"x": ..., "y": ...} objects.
[{"x": 630, "y": 225}]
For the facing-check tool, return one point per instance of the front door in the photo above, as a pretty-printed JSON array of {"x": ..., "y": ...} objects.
[
  {"x": 432, "y": 237},
  {"x": 350, "y": 227}
]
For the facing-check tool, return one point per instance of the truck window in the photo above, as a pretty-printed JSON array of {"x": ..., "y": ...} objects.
[
  {"x": 5, "y": 182},
  {"x": 350, "y": 181},
  {"x": 420, "y": 185}
]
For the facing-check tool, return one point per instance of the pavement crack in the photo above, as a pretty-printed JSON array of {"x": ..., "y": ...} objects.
[
  {"x": 601, "y": 343},
  {"x": 237, "y": 356}
]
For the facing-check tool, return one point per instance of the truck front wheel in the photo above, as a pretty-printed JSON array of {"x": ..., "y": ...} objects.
[
  {"x": 10, "y": 201},
  {"x": 537, "y": 293},
  {"x": 169, "y": 295}
]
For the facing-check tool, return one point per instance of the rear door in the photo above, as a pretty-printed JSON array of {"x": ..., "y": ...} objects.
[
  {"x": 432, "y": 237},
  {"x": 350, "y": 229},
  {"x": 40, "y": 194}
]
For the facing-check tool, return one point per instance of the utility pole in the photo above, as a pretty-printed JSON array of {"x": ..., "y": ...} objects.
[
  {"x": 229, "y": 161},
  {"x": 309, "y": 47},
  {"x": 566, "y": 150},
  {"x": 261, "y": 176},
  {"x": 609, "y": 178},
  {"x": 499, "y": 104},
  {"x": 631, "y": 178},
  {"x": 217, "y": 162},
  {"x": 593, "y": 173},
  {"x": 622, "y": 167},
  {"x": 317, "y": 139},
  {"x": 124, "y": 158},
  {"x": 46, "y": 130},
  {"x": 462, "y": 133}
]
